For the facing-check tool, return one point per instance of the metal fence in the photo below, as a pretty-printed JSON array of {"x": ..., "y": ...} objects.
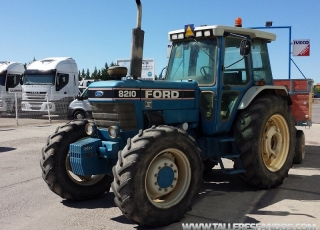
[{"x": 32, "y": 112}]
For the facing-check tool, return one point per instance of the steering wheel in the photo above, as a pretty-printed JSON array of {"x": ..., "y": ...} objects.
[{"x": 204, "y": 72}]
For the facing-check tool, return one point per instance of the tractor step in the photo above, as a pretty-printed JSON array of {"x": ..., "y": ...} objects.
[{"x": 235, "y": 156}]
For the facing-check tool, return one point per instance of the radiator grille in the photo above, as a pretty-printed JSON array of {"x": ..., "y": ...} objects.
[
  {"x": 120, "y": 114},
  {"x": 36, "y": 96}
]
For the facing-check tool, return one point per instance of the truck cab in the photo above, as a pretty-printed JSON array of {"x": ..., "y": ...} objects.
[
  {"x": 50, "y": 84},
  {"x": 10, "y": 75}
]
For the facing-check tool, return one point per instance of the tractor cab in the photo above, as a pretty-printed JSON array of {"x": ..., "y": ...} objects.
[{"x": 225, "y": 61}]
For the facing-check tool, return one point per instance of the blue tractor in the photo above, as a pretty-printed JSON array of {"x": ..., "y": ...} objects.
[{"x": 151, "y": 141}]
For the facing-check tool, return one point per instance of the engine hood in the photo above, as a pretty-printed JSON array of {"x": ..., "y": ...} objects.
[
  {"x": 159, "y": 95},
  {"x": 134, "y": 89}
]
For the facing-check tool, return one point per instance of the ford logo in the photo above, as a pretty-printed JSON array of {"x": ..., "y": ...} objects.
[{"x": 98, "y": 93}]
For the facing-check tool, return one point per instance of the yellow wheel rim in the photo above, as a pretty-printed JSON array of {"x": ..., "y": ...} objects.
[
  {"x": 275, "y": 143},
  {"x": 167, "y": 196}
]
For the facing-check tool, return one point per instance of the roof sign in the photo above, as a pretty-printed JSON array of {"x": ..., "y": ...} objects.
[
  {"x": 301, "y": 47},
  {"x": 189, "y": 30}
]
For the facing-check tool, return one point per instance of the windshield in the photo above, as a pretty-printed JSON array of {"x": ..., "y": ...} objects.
[
  {"x": 39, "y": 79},
  {"x": 84, "y": 94},
  {"x": 193, "y": 60},
  {"x": 2, "y": 80}
]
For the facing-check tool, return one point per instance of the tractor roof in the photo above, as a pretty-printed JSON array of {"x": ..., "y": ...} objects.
[{"x": 219, "y": 30}]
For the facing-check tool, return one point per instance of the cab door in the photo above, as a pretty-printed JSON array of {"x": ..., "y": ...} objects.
[{"x": 235, "y": 81}]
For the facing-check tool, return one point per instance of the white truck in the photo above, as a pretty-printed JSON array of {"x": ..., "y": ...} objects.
[
  {"x": 10, "y": 75},
  {"x": 50, "y": 84}
]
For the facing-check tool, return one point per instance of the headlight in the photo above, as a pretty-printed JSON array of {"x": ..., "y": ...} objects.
[
  {"x": 90, "y": 128},
  {"x": 113, "y": 131}
]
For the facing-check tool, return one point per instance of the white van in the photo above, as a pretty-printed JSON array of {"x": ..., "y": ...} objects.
[
  {"x": 10, "y": 75},
  {"x": 80, "y": 108},
  {"x": 52, "y": 79},
  {"x": 86, "y": 82}
]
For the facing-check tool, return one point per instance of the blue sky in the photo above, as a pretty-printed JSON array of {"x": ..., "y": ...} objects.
[{"x": 99, "y": 31}]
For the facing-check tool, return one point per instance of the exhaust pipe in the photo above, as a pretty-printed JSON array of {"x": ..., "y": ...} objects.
[{"x": 137, "y": 46}]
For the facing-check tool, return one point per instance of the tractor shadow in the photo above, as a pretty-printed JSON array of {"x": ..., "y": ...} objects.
[
  {"x": 6, "y": 149},
  {"x": 104, "y": 201}
]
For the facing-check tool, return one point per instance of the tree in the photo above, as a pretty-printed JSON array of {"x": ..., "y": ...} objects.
[
  {"x": 104, "y": 72},
  {"x": 96, "y": 74},
  {"x": 87, "y": 74},
  {"x": 83, "y": 74}
]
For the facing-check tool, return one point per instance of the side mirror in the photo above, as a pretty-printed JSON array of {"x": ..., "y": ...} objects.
[
  {"x": 245, "y": 47},
  {"x": 21, "y": 80}
]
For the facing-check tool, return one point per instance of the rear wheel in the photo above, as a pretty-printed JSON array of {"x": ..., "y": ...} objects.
[
  {"x": 265, "y": 136},
  {"x": 157, "y": 176},
  {"x": 56, "y": 169},
  {"x": 300, "y": 147}
]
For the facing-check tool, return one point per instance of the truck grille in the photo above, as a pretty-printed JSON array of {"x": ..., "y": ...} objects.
[
  {"x": 119, "y": 114},
  {"x": 36, "y": 96}
]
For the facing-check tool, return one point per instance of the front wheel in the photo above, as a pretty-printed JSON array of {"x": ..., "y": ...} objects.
[
  {"x": 265, "y": 136},
  {"x": 157, "y": 176},
  {"x": 79, "y": 115},
  {"x": 56, "y": 169}
]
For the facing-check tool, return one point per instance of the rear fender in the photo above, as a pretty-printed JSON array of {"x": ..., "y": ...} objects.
[{"x": 254, "y": 91}]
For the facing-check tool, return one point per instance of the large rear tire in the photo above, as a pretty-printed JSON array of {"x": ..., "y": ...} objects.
[
  {"x": 56, "y": 169},
  {"x": 157, "y": 176},
  {"x": 265, "y": 137}
]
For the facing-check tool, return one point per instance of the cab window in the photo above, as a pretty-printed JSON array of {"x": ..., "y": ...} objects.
[
  {"x": 261, "y": 62},
  {"x": 235, "y": 66},
  {"x": 62, "y": 80},
  {"x": 193, "y": 60}
]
